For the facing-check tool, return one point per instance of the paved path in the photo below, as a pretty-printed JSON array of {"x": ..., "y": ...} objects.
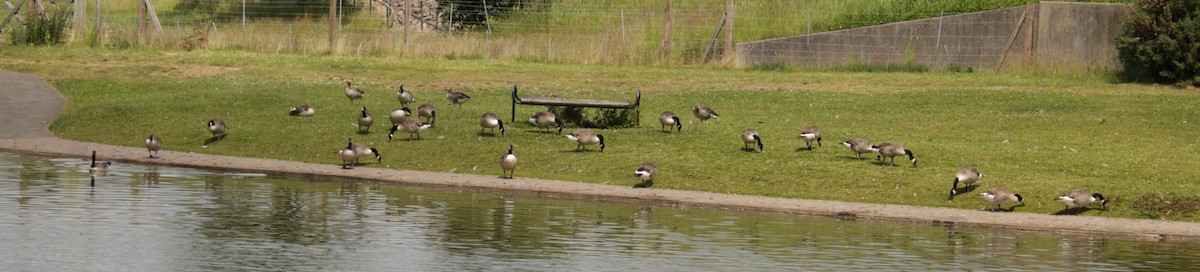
[{"x": 29, "y": 105}]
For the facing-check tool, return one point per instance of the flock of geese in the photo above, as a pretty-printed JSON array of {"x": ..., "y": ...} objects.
[{"x": 583, "y": 138}]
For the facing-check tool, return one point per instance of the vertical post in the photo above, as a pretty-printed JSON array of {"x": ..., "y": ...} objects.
[
  {"x": 666, "y": 40},
  {"x": 729, "y": 31},
  {"x": 243, "y": 15},
  {"x": 407, "y": 13},
  {"x": 97, "y": 14},
  {"x": 141, "y": 21},
  {"x": 622, "y": 26},
  {"x": 487, "y": 19},
  {"x": 450, "y": 32},
  {"x": 808, "y": 33},
  {"x": 332, "y": 18},
  {"x": 340, "y": 14},
  {"x": 81, "y": 14},
  {"x": 550, "y": 48},
  {"x": 941, "y": 17}
]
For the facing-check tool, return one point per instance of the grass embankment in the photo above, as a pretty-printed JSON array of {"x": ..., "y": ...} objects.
[{"x": 1038, "y": 135}]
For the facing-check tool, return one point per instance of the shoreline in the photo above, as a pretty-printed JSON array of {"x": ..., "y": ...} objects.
[{"x": 38, "y": 104}]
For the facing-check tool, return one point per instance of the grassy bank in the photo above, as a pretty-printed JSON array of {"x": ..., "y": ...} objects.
[{"x": 1038, "y": 135}]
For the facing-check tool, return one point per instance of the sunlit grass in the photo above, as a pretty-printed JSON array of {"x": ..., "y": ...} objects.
[{"x": 1037, "y": 134}]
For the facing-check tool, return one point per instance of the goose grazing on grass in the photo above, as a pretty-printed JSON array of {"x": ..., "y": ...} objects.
[
  {"x": 405, "y": 96},
  {"x": 859, "y": 146},
  {"x": 98, "y": 166},
  {"x": 891, "y": 149},
  {"x": 491, "y": 121},
  {"x": 456, "y": 98},
  {"x": 1076, "y": 198},
  {"x": 544, "y": 120},
  {"x": 412, "y": 126},
  {"x": 669, "y": 119},
  {"x": 302, "y": 111},
  {"x": 810, "y": 134},
  {"x": 365, "y": 119},
  {"x": 363, "y": 151},
  {"x": 153, "y": 145},
  {"x": 967, "y": 176},
  {"x": 399, "y": 115},
  {"x": 217, "y": 127},
  {"x": 1002, "y": 196},
  {"x": 750, "y": 136},
  {"x": 353, "y": 93},
  {"x": 704, "y": 113},
  {"x": 508, "y": 163},
  {"x": 646, "y": 173},
  {"x": 428, "y": 111},
  {"x": 349, "y": 156},
  {"x": 584, "y": 138}
]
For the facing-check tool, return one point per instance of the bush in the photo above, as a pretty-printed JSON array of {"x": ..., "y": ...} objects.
[
  {"x": 605, "y": 118},
  {"x": 1160, "y": 42},
  {"x": 43, "y": 31}
]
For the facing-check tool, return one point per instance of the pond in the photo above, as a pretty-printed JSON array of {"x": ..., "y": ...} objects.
[{"x": 156, "y": 218}]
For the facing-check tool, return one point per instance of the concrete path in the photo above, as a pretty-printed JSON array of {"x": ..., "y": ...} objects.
[{"x": 30, "y": 104}]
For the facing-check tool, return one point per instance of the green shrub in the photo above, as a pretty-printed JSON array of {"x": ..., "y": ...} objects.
[
  {"x": 604, "y": 118},
  {"x": 1160, "y": 42},
  {"x": 44, "y": 30}
]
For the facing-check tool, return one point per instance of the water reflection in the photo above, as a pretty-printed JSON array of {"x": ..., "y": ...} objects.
[{"x": 152, "y": 218}]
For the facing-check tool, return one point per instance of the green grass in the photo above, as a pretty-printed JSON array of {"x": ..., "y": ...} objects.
[{"x": 1039, "y": 135}]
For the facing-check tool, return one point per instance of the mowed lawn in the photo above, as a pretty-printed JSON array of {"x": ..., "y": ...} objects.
[{"x": 1040, "y": 135}]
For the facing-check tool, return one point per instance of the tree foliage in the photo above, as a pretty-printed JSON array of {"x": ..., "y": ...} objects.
[{"x": 1160, "y": 42}]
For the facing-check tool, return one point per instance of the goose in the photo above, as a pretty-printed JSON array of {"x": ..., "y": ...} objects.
[
  {"x": 1001, "y": 196},
  {"x": 891, "y": 149},
  {"x": 669, "y": 119},
  {"x": 646, "y": 173},
  {"x": 859, "y": 146},
  {"x": 412, "y": 126},
  {"x": 217, "y": 126},
  {"x": 545, "y": 119},
  {"x": 362, "y": 150},
  {"x": 349, "y": 156},
  {"x": 398, "y": 115},
  {"x": 428, "y": 111},
  {"x": 704, "y": 113},
  {"x": 491, "y": 121},
  {"x": 1081, "y": 198},
  {"x": 585, "y": 137},
  {"x": 365, "y": 120},
  {"x": 456, "y": 98},
  {"x": 810, "y": 134},
  {"x": 967, "y": 176},
  {"x": 353, "y": 93},
  {"x": 98, "y": 166},
  {"x": 405, "y": 96},
  {"x": 750, "y": 136},
  {"x": 302, "y": 111},
  {"x": 508, "y": 163},
  {"x": 153, "y": 145}
]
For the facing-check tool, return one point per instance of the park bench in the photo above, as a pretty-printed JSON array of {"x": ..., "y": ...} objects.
[{"x": 578, "y": 103}]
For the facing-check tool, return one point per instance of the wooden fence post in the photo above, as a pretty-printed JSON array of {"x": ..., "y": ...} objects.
[
  {"x": 141, "y": 33},
  {"x": 666, "y": 40},
  {"x": 729, "y": 30},
  {"x": 332, "y": 21}
]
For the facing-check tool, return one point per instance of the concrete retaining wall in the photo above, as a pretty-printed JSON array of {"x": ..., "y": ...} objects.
[{"x": 1048, "y": 34}]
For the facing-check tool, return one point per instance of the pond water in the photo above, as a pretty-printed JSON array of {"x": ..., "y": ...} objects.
[{"x": 155, "y": 218}]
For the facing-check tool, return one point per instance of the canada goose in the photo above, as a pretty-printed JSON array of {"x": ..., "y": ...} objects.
[
  {"x": 544, "y": 119},
  {"x": 153, "y": 145},
  {"x": 98, "y": 166},
  {"x": 810, "y": 134},
  {"x": 1001, "y": 196},
  {"x": 1081, "y": 198},
  {"x": 405, "y": 96},
  {"x": 216, "y": 126},
  {"x": 365, "y": 120},
  {"x": 353, "y": 93},
  {"x": 670, "y": 119},
  {"x": 750, "y": 136},
  {"x": 349, "y": 156},
  {"x": 398, "y": 115},
  {"x": 967, "y": 175},
  {"x": 859, "y": 146},
  {"x": 491, "y": 121},
  {"x": 428, "y": 111},
  {"x": 585, "y": 137},
  {"x": 891, "y": 149},
  {"x": 456, "y": 97},
  {"x": 302, "y": 111},
  {"x": 412, "y": 126},
  {"x": 646, "y": 173},
  {"x": 508, "y": 163},
  {"x": 704, "y": 113},
  {"x": 362, "y": 150}
]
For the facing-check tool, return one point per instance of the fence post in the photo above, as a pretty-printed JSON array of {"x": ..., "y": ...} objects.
[
  {"x": 141, "y": 22},
  {"x": 666, "y": 40},
  {"x": 332, "y": 18},
  {"x": 622, "y": 27},
  {"x": 728, "y": 52},
  {"x": 407, "y": 19},
  {"x": 81, "y": 14},
  {"x": 808, "y": 33},
  {"x": 941, "y": 17},
  {"x": 97, "y": 14},
  {"x": 487, "y": 19},
  {"x": 243, "y": 15}
]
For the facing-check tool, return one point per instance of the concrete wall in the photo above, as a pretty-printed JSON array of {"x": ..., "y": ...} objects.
[{"x": 1049, "y": 34}]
